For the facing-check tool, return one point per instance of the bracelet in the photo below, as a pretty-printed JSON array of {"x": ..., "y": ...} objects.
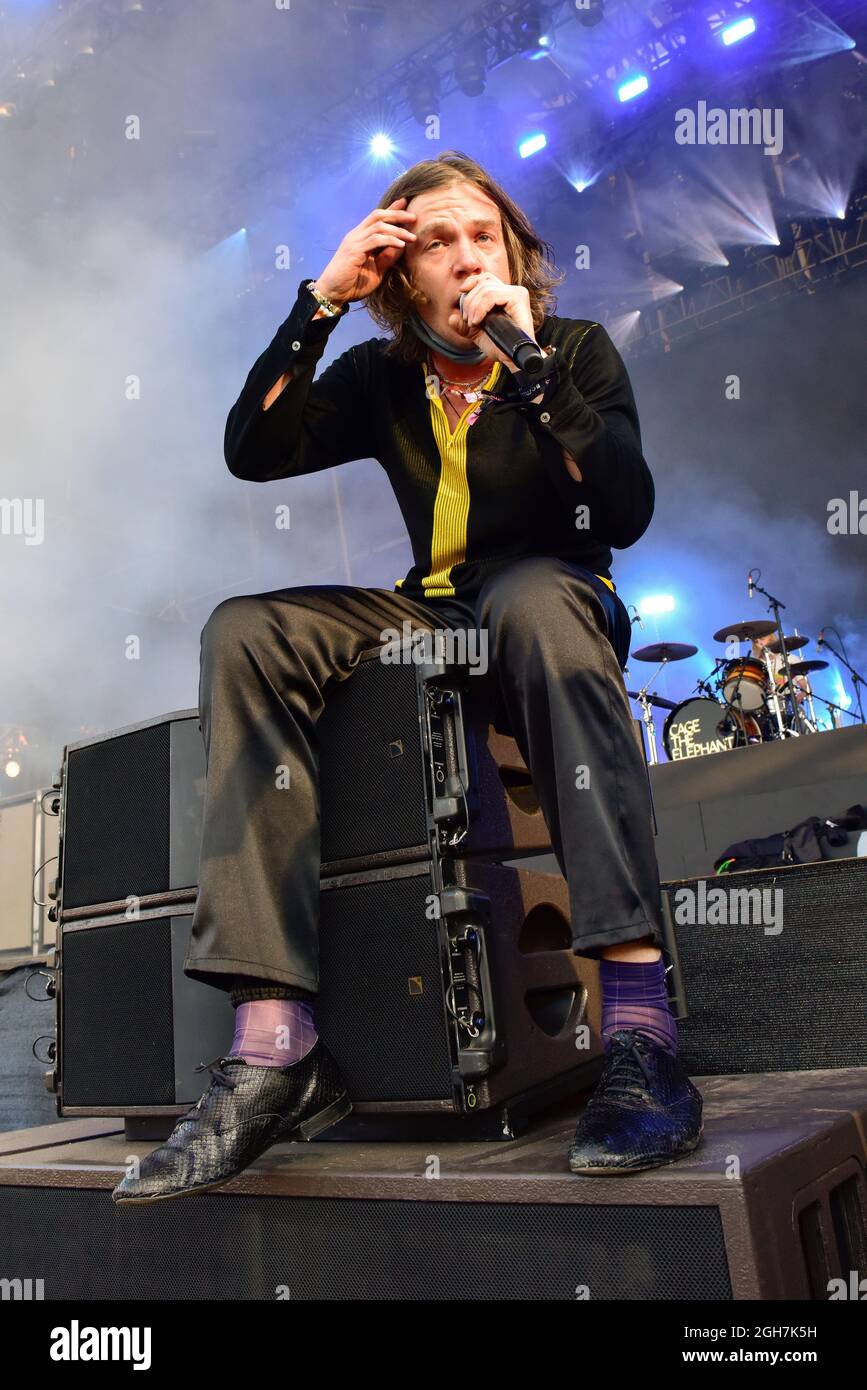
[
  {"x": 527, "y": 387},
  {"x": 332, "y": 309}
]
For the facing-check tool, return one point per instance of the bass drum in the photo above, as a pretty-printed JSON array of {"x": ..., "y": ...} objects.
[{"x": 701, "y": 726}]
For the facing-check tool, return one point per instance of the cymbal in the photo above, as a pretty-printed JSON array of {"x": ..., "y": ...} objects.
[
  {"x": 658, "y": 700},
  {"x": 665, "y": 651},
  {"x": 792, "y": 644},
  {"x": 745, "y": 632},
  {"x": 801, "y": 668}
]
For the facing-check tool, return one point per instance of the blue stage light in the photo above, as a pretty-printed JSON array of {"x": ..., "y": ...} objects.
[
  {"x": 739, "y": 30},
  {"x": 531, "y": 144},
  {"x": 653, "y": 604},
  {"x": 633, "y": 88},
  {"x": 546, "y": 43},
  {"x": 381, "y": 146}
]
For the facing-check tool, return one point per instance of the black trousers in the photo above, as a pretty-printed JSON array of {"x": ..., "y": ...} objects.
[{"x": 265, "y": 662}]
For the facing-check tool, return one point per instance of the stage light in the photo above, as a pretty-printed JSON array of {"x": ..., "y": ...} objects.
[
  {"x": 733, "y": 33},
  {"x": 423, "y": 88},
  {"x": 527, "y": 29},
  {"x": 633, "y": 88},
  {"x": 531, "y": 144},
  {"x": 381, "y": 146},
  {"x": 12, "y": 768},
  {"x": 470, "y": 71},
  {"x": 652, "y": 604},
  {"x": 590, "y": 12},
  {"x": 546, "y": 43}
]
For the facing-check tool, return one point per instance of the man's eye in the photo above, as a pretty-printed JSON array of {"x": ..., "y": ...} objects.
[{"x": 487, "y": 234}]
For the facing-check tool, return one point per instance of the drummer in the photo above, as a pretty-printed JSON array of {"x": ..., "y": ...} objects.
[{"x": 774, "y": 659}]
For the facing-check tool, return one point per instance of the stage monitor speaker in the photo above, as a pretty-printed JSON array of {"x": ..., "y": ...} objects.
[
  {"x": 132, "y": 1026},
  {"x": 410, "y": 751},
  {"x": 400, "y": 774},
  {"x": 131, "y": 822},
  {"x": 456, "y": 997},
  {"x": 435, "y": 998},
  {"x": 774, "y": 968}
]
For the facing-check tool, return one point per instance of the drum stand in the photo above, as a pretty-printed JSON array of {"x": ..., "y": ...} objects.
[
  {"x": 773, "y": 698},
  {"x": 647, "y": 713},
  {"x": 775, "y": 605},
  {"x": 810, "y": 719}
]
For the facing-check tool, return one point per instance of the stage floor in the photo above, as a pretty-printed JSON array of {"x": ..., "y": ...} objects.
[{"x": 756, "y": 1116}]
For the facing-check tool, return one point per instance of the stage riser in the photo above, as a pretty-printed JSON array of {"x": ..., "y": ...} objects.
[
  {"x": 250, "y": 1247},
  {"x": 274, "y": 1248},
  {"x": 703, "y": 805}
]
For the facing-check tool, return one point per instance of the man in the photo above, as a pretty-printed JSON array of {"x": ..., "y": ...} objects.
[
  {"x": 773, "y": 661},
  {"x": 512, "y": 501}
]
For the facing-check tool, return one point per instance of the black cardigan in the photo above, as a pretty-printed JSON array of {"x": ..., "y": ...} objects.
[{"x": 496, "y": 490}]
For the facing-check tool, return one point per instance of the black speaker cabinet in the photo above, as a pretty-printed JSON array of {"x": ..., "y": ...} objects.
[
  {"x": 774, "y": 968},
  {"x": 411, "y": 751},
  {"x": 409, "y": 761},
  {"x": 435, "y": 998},
  {"x": 132, "y": 1026},
  {"x": 453, "y": 997},
  {"x": 131, "y": 817}
]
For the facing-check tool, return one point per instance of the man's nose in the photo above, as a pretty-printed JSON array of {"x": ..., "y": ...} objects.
[{"x": 467, "y": 259}]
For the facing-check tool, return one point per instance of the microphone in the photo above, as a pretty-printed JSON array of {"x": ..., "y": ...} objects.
[
  {"x": 750, "y": 584},
  {"x": 512, "y": 340},
  {"x": 821, "y": 640},
  {"x": 637, "y": 618}
]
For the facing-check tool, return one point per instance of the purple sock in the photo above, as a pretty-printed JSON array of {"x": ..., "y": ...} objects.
[
  {"x": 273, "y": 1032},
  {"x": 634, "y": 996}
]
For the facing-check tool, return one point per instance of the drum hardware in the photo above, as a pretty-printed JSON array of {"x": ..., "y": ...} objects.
[
  {"x": 774, "y": 700},
  {"x": 857, "y": 678},
  {"x": 663, "y": 653},
  {"x": 775, "y": 605},
  {"x": 837, "y": 711},
  {"x": 744, "y": 632},
  {"x": 801, "y": 669},
  {"x": 793, "y": 644},
  {"x": 645, "y": 700}
]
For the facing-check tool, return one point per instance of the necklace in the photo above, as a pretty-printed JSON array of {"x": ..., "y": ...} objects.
[{"x": 467, "y": 389}]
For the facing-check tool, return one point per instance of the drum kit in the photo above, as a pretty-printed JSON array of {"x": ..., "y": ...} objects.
[{"x": 743, "y": 701}]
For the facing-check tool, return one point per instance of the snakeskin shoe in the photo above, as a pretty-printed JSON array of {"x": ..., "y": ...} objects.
[
  {"x": 644, "y": 1112},
  {"x": 244, "y": 1111}
]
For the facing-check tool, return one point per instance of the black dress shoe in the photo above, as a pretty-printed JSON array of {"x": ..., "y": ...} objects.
[
  {"x": 644, "y": 1112},
  {"x": 244, "y": 1111}
]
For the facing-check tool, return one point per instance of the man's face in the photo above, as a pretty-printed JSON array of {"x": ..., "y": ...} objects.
[{"x": 459, "y": 234}]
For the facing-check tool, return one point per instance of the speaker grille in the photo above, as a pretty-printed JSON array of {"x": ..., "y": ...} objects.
[
  {"x": 244, "y": 1247},
  {"x": 116, "y": 836},
  {"x": 371, "y": 772},
  {"x": 118, "y": 1044},
  {"x": 380, "y": 1009},
  {"x": 787, "y": 1002}
]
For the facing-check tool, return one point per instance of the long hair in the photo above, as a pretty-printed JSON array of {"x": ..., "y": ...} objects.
[{"x": 531, "y": 260}]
